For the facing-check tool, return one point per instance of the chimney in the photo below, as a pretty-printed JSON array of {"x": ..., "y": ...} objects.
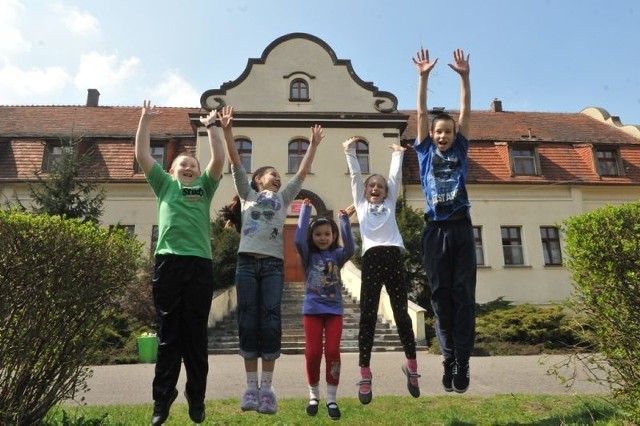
[
  {"x": 496, "y": 105},
  {"x": 93, "y": 96}
]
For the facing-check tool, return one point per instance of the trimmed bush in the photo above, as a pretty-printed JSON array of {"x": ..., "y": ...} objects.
[
  {"x": 603, "y": 253},
  {"x": 59, "y": 280}
]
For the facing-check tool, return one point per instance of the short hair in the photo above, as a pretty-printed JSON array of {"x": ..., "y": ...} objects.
[
  {"x": 185, "y": 154},
  {"x": 443, "y": 116}
]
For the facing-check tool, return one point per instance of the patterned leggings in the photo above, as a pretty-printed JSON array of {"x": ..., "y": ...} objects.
[{"x": 382, "y": 265}]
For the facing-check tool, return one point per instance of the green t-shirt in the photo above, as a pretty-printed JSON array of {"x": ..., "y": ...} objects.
[{"x": 184, "y": 222}]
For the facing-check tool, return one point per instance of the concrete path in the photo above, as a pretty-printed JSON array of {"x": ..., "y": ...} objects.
[{"x": 131, "y": 384}]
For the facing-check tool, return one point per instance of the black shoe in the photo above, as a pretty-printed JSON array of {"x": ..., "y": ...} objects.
[
  {"x": 365, "y": 398},
  {"x": 312, "y": 409},
  {"x": 414, "y": 390},
  {"x": 461, "y": 377},
  {"x": 161, "y": 409},
  {"x": 447, "y": 376},
  {"x": 196, "y": 411},
  {"x": 333, "y": 411}
]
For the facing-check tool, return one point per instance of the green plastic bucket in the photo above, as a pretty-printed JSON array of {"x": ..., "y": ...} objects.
[{"x": 148, "y": 348}]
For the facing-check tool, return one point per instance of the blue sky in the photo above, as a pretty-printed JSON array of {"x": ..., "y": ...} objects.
[{"x": 534, "y": 55}]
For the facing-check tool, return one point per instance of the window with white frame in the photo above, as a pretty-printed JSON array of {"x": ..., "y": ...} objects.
[
  {"x": 477, "y": 236},
  {"x": 158, "y": 154},
  {"x": 608, "y": 162},
  {"x": 525, "y": 161},
  {"x": 53, "y": 156},
  {"x": 362, "y": 154},
  {"x": 512, "y": 245},
  {"x": 297, "y": 149},
  {"x": 244, "y": 147},
  {"x": 550, "y": 238}
]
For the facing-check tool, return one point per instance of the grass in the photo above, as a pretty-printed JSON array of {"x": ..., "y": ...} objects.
[{"x": 384, "y": 410}]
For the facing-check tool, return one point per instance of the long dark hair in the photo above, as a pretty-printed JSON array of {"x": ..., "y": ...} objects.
[
  {"x": 258, "y": 174},
  {"x": 232, "y": 213},
  {"x": 323, "y": 220}
]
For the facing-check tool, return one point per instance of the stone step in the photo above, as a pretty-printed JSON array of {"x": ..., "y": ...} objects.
[{"x": 223, "y": 339}]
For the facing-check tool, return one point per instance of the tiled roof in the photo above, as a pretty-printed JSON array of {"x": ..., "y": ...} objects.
[
  {"x": 64, "y": 121},
  {"x": 563, "y": 142},
  {"x": 24, "y": 130}
]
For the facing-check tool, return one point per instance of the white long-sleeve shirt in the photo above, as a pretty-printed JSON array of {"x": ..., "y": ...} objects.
[{"x": 378, "y": 226}]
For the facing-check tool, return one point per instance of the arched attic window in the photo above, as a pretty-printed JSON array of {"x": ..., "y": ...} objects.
[
  {"x": 297, "y": 149},
  {"x": 299, "y": 90}
]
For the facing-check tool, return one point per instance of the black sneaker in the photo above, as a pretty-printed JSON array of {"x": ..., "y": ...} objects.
[
  {"x": 447, "y": 376},
  {"x": 161, "y": 409},
  {"x": 333, "y": 411},
  {"x": 196, "y": 411},
  {"x": 312, "y": 407},
  {"x": 460, "y": 377}
]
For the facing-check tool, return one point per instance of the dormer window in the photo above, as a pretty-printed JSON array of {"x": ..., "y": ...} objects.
[
  {"x": 299, "y": 91},
  {"x": 608, "y": 162},
  {"x": 54, "y": 155},
  {"x": 525, "y": 161}
]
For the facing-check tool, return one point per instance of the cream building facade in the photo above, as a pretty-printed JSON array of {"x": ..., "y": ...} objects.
[{"x": 528, "y": 171}]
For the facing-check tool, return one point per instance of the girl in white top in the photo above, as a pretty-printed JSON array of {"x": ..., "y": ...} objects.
[{"x": 382, "y": 247}]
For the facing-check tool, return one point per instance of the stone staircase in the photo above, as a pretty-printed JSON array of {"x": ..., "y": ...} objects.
[{"x": 223, "y": 338}]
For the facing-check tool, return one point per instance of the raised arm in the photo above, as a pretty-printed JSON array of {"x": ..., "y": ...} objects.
[
  {"x": 317, "y": 134},
  {"x": 357, "y": 186},
  {"x": 424, "y": 67},
  {"x": 461, "y": 66},
  {"x": 395, "y": 169},
  {"x": 143, "y": 137},
  {"x": 348, "y": 244},
  {"x": 300, "y": 238},
  {"x": 226, "y": 122},
  {"x": 216, "y": 164}
]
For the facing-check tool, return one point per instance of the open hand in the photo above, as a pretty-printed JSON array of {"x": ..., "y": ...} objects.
[{"x": 423, "y": 65}]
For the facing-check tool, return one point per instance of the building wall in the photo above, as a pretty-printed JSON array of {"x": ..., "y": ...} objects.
[{"x": 529, "y": 207}]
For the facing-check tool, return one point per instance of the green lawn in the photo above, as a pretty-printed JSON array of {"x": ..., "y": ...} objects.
[{"x": 384, "y": 410}]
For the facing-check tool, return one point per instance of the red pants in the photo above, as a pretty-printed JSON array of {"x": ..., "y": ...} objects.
[{"x": 316, "y": 329}]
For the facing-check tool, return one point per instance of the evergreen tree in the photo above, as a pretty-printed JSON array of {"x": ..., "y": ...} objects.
[{"x": 69, "y": 188}]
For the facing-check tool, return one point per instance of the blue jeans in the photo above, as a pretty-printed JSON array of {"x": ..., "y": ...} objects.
[{"x": 259, "y": 284}]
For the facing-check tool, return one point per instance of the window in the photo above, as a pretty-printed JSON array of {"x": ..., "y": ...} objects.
[
  {"x": 298, "y": 90},
  {"x": 477, "y": 236},
  {"x": 362, "y": 153},
  {"x": 512, "y": 245},
  {"x": 525, "y": 161},
  {"x": 244, "y": 147},
  {"x": 129, "y": 229},
  {"x": 157, "y": 152},
  {"x": 54, "y": 155},
  {"x": 154, "y": 238},
  {"x": 607, "y": 162},
  {"x": 297, "y": 148},
  {"x": 551, "y": 245}
]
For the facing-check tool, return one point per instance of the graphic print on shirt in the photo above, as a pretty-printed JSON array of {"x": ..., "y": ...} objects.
[
  {"x": 326, "y": 278},
  {"x": 192, "y": 193},
  {"x": 262, "y": 214},
  {"x": 444, "y": 181},
  {"x": 378, "y": 209}
]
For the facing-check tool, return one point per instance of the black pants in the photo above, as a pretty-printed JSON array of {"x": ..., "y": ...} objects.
[
  {"x": 449, "y": 257},
  {"x": 182, "y": 293},
  {"x": 382, "y": 265}
]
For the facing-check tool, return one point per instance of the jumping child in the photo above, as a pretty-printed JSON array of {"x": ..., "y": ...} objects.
[
  {"x": 260, "y": 266},
  {"x": 382, "y": 247},
  {"x": 323, "y": 309}
]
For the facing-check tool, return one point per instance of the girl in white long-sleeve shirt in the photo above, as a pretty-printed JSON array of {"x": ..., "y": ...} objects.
[{"x": 382, "y": 247}]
